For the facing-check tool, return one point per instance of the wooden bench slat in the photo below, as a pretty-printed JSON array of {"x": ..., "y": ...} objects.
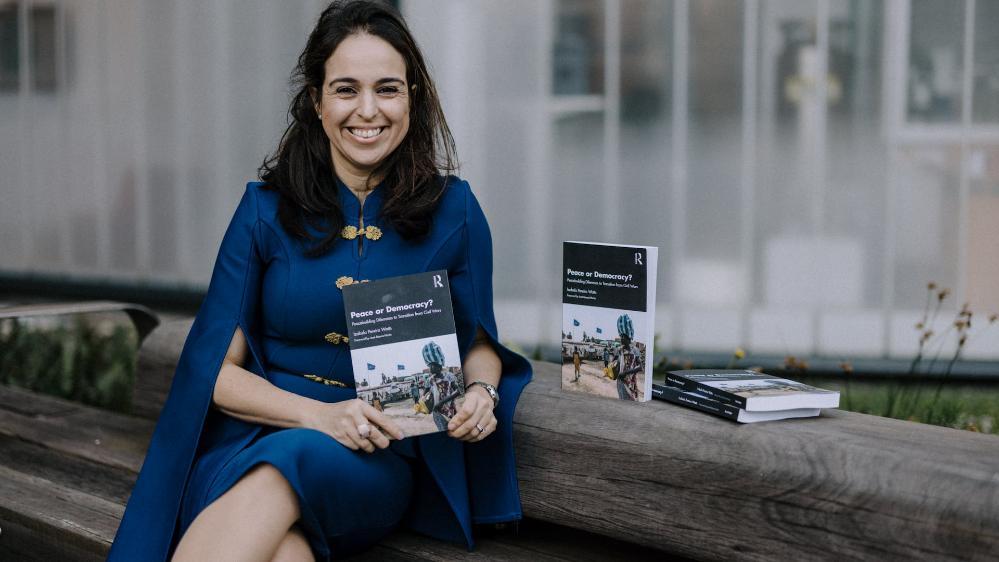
[
  {"x": 27, "y": 544},
  {"x": 155, "y": 366},
  {"x": 22, "y": 401},
  {"x": 62, "y": 517},
  {"x": 101, "y": 436},
  {"x": 144, "y": 319},
  {"x": 414, "y": 545},
  {"x": 107, "y": 482},
  {"x": 536, "y": 541}
]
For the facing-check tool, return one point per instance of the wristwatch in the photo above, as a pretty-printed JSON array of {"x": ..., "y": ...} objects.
[{"x": 489, "y": 388}]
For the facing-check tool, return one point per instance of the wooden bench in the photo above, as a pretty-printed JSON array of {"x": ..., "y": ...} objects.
[
  {"x": 645, "y": 476},
  {"x": 66, "y": 471}
]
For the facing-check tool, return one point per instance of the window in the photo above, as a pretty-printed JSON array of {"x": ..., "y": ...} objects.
[
  {"x": 43, "y": 48},
  {"x": 9, "y": 51},
  {"x": 43, "y": 42}
]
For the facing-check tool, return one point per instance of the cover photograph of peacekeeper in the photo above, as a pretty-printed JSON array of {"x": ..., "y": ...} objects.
[
  {"x": 603, "y": 351},
  {"x": 418, "y": 383}
]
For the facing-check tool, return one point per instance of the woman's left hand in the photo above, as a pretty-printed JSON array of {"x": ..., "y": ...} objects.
[{"x": 476, "y": 413}]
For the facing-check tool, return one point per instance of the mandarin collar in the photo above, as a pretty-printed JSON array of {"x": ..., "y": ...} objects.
[{"x": 351, "y": 204}]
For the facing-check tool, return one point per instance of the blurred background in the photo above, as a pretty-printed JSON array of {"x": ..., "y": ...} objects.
[{"x": 806, "y": 168}]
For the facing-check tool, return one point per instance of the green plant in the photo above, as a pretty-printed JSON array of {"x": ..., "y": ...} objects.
[
  {"x": 903, "y": 404},
  {"x": 90, "y": 360}
]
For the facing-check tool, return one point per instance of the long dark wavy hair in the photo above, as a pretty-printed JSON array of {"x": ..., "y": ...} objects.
[{"x": 301, "y": 169}]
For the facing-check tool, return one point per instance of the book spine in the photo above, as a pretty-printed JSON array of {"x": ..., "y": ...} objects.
[
  {"x": 713, "y": 393},
  {"x": 675, "y": 396}
]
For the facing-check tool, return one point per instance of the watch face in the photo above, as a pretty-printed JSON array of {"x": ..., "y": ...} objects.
[{"x": 491, "y": 390}]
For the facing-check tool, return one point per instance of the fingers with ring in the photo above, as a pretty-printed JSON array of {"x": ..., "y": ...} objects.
[
  {"x": 485, "y": 427},
  {"x": 364, "y": 430}
]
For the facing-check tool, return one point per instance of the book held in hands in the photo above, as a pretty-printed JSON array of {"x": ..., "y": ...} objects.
[
  {"x": 404, "y": 349},
  {"x": 608, "y": 314}
]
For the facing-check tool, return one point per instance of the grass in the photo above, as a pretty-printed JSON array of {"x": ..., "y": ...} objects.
[{"x": 973, "y": 407}]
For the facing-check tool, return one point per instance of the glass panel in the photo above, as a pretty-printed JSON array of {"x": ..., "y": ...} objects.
[
  {"x": 936, "y": 43},
  {"x": 578, "y": 50},
  {"x": 646, "y": 145},
  {"x": 43, "y": 48},
  {"x": 985, "y": 93},
  {"x": 162, "y": 117},
  {"x": 577, "y": 147},
  {"x": 577, "y": 176},
  {"x": 926, "y": 216},
  {"x": 856, "y": 153},
  {"x": 514, "y": 95},
  {"x": 983, "y": 229},
  {"x": 787, "y": 149},
  {"x": 9, "y": 51},
  {"x": 124, "y": 227},
  {"x": 715, "y": 133}
]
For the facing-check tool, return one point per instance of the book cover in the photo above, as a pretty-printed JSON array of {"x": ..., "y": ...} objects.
[
  {"x": 608, "y": 319},
  {"x": 701, "y": 402},
  {"x": 751, "y": 390},
  {"x": 404, "y": 350}
]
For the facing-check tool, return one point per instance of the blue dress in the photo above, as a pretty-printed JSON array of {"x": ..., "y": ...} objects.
[{"x": 287, "y": 304}]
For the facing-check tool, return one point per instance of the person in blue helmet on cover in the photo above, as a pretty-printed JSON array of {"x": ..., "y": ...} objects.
[
  {"x": 629, "y": 360},
  {"x": 444, "y": 388}
]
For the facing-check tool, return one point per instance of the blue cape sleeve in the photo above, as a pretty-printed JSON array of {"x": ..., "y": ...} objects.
[
  {"x": 479, "y": 480},
  {"x": 148, "y": 530},
  {"x": 490, "y": 463}
]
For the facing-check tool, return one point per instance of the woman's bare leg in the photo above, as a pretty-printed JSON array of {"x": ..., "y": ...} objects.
[
  {"x": 294, "y": 547},
  {"x": 248, "y": 522}
]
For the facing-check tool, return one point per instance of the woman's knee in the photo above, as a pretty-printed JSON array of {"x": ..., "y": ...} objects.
[
  {"x": 264, "y": 484},
  {"x": 265, "y": 476},
  {"x": 294, "y": 547}
]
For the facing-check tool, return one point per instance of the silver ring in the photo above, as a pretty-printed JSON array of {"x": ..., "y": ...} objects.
[
  {"x": 479, "y": 427},
  {"x": 365, "y": 430}
]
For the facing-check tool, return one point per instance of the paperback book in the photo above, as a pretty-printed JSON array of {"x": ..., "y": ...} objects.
[
  {"x": 608, "y": 319},
  {"x": 404, "y": 349},
  {"x": 701, "y": 402},
  {"x": 751, "y": 390}
]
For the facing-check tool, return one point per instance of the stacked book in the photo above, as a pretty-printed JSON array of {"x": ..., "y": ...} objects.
[{"x": 744, "y": 396}]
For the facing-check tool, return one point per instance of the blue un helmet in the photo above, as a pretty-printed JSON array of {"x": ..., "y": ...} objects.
[
  {"x": 432, "y": 354},
  {"x": 625, "y": 327}
]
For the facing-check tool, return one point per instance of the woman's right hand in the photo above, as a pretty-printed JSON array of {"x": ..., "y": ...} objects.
[{"x": 345, "y": 421}]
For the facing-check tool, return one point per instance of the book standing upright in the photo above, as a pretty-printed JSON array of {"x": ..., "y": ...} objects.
[{"x": 608, "y": 319}]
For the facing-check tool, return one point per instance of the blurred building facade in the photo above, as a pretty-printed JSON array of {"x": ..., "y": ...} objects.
[{"x": 806, "y": 167}]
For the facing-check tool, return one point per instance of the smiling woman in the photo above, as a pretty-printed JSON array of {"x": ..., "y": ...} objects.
[{"x": 262, "y": 450}]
